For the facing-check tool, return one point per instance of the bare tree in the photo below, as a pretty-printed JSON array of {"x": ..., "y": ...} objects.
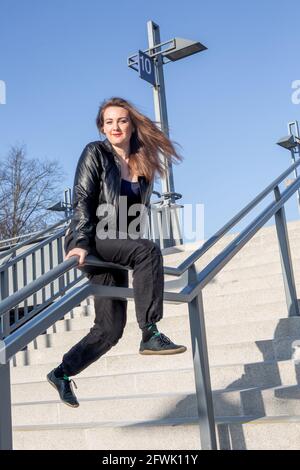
[{"x": 27, "y": 188}]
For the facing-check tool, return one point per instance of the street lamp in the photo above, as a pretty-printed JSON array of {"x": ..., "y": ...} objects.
[
  {"x": 291, "y": 142},
  {"x": 149, "y": 64},
  {"x": 184, "y": 48},
  {"x": 63, "y": 206}
]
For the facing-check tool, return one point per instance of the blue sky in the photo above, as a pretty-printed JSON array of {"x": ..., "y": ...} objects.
[{"x": 227, "y": 106}]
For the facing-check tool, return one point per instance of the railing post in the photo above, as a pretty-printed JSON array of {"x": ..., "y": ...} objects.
[
  {"x": 201, "y": 369},
  {"x": 60, "y": 259},
  {"x": 285, "y": 258},
  {"x": 5, "y": 397},
  {"x": 4, "y": 292},
  {"x": 6, "y": 442}
]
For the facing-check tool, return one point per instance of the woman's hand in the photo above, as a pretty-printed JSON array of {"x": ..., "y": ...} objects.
[{"x": 78, "y": 252}]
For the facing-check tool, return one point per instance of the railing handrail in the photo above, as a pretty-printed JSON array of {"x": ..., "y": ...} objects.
[
  {"x": 10, "y": 302},
  {"x": 31, "y": 250},
  {"x": 36, "y": 325},
  {"x": 211, "y": 269},
  {"x": 22, "y": 294},
  {"x": 18, "y": 237},
  {"x": 15, "y": 340},
  {"x": 5, "y": 253},
  {"x": 215, "y": 266},
  {"x": 188, "y": 262}
]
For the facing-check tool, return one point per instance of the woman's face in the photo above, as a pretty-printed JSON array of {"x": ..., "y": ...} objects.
[{"x": 117, "y": 126}]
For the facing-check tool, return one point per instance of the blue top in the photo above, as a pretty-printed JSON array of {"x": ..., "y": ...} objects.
[{"x": 131, "y": 189}]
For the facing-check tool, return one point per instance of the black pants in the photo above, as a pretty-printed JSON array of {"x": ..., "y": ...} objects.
[{"x": 145, "y": 258}]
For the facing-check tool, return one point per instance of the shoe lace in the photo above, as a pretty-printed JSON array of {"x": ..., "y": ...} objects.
[
  {"x": 163, "y": 338},
  {"x": 68, "y": 384}
]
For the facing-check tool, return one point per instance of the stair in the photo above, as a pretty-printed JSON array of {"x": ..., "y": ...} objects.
[{"x": 129, "y": 401}]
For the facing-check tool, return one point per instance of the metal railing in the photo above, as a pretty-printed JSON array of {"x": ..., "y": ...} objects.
[
  {"x": 21, "y": 268},
  {"x": 16, "y": 339},
  {"x": 39, "y": 253},
  {"x": 29, "y": 238}
]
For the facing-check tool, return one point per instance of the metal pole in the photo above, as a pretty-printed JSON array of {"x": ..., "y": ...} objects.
[
  {"x": 5, "y": 398},
  {"x": 67, "y": 202},
  {"x": 60, "y": 259},
  {"x": 6, "y": 441},
  {"x": 159, "y": 95},
  {"x": 4, "y": 292},
  {"x": 291, "y": 125},
  {"x": 173, "y": 235},
  {"x": 286, "y": 261},
  {"x": 296, "y": 176},
  {"x": 201, "y": 369}
]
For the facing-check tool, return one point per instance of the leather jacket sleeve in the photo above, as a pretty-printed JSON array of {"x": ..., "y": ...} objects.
[{"x": 85, "y": 198}]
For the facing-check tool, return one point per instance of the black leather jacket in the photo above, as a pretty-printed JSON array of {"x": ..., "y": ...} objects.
[{"x": 97, "y": 181}]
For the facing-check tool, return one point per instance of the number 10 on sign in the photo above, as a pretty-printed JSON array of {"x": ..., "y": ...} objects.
[{"x": 147, "y": 68}]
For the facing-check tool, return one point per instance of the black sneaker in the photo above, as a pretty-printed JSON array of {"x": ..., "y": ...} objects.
[
  {"x": 160, "y": 344},
  {"x": 64, "y": 388}
]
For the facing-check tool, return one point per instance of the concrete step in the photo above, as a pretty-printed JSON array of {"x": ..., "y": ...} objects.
[
  {"x": 182, "y": 380},
  {"x": 121, "y": 408},
  {"x": 268, "y": 311},
  {"x": 259, "y": 251},
  {"x": 142, "y": 378},
  {"x": 228, "y": 315},
  {"x": 231, "y": 377},
  {"x": 254, "y": 401},
  {"x": 48, "y": 355},
  {"x": 234, "y": 433},
  {"x": 231, "y": 353},
  {"x": 243, "y": 274},
  {"x": 85, "y": 322},
  {"x": 243, "y": 259},
  {"x": 173, "y": 434},
  {"x": 276, "y": 401},
  {"x": 218, "y": 286},
  {"x": 255, "y": 293},
  {"x": 263, "y": 247},
  {"x": 221, "y": 286},
  {"x": 132, "y": 332},
  {"x": 236, "y": 285},
  {"x": 252, "y": 297},
  {"x": 267, "y": 235},
  {"x": 268, "y": 433},
  {"x": 271, "y": 314},
  {"x": 278, "y": 328},
  {"x": 239, "y": 300},
  {"x": 248, "y": 351}
]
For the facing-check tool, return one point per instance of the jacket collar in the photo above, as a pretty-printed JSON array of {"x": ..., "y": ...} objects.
[
  {"x": 108, "y": 145},
  {"x": 110, "y": 148}
]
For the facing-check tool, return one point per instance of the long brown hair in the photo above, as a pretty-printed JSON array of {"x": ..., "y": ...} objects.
[{"x": 146, "y": 143}]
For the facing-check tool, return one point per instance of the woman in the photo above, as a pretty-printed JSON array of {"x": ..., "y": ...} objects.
[{"x": 122, "y": 166}]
